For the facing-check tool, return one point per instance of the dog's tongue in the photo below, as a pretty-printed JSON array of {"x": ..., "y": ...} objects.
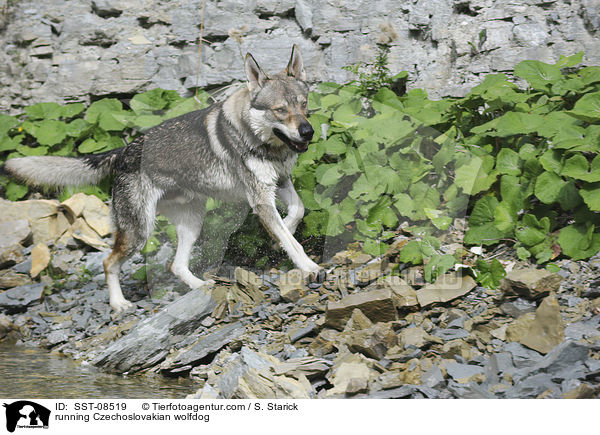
[{"x": 300, "y": 146}]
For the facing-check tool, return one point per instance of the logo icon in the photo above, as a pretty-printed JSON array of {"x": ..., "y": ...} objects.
[{"x": 26, "y": 414}]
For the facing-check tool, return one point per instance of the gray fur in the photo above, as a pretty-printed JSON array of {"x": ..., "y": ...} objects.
[{"x": 240, "y": 150}]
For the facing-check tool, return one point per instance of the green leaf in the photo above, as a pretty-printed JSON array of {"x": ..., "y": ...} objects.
[
  {"x": 538, "y": 74},
  {"x": 504, "y": 217},
  {"x": 489, "y": 274},
  {"x": 72, "y": 110},
  {"x": 590, "y": 74},
  {"x": 570, "y": 61},
  {"x": 438, "y": 218},
  {"x": 77, "y": 128},
  {"x": 151, "y": 101},
  {"x": 100, "y": 107},
  {"x": 44, "y": 111},
  {"x": 591, "y": 195},
  {"x": 374, "y": 247},
  {"x": 587, "y": 108},
  {"x": 6, "y": 123},
  {"x": 551, "y": 161},
  {"x": 32, "y": 151},
  {"x": 578, "y": 242},
  {"x": 578, "y": 167},
  {"x": 482, "y": 229},
  {"x": 550, "y": 188},
  {"x": 328, "y": 175},
  {"x": 8, "y": 144},
  {"x": 49, "y": 132},
  {"x": 476, "y": 175},
  {"x": 15, "y": 191},
  {"x": 411, "y": 253},
  {"x": 508, "y": 162},
  {"x": 437, "y": 266}
]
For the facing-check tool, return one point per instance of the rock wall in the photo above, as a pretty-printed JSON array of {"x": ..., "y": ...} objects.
[{"x": 65, "y": 50}]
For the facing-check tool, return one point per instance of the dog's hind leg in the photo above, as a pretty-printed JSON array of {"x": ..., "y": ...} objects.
[
  {"x": 188, "y": 218},
  {"x": 133, "y": 211}
]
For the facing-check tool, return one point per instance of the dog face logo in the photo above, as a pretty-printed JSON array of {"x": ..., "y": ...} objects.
[{"x": 26, "y": 414}]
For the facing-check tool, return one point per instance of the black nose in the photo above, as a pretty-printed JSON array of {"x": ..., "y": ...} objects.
[{"x": 306, "y": 131}]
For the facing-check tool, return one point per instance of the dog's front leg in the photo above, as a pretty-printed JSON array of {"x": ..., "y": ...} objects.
[
  {"x": 270, "y": 218},
  {"x": 295, "y": 208}
]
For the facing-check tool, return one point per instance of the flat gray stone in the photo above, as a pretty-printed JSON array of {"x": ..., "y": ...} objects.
[
  {"x": 460, "y": 371},
  {"x": 18, "y": 299},
  {"x": 151, "y": 340},
  {"x": 204, "y": 346}
]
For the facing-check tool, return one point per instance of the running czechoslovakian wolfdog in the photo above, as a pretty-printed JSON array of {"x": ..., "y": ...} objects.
[{"x": 242, "y": 149}]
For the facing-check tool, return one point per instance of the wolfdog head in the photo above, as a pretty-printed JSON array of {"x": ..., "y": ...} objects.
[{"x": 278, "y": 103}]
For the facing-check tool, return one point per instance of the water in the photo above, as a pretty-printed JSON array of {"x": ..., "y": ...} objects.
[{"x": 34, "y": 373}]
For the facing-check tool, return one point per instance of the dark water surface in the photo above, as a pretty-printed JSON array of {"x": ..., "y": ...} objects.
[{"x": 34, "y": 373}]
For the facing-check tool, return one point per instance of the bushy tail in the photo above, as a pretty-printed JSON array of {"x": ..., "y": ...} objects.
[{"x": 62, "y": 171}]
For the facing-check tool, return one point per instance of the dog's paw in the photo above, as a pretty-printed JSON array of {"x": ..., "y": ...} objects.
[
  {"x": 120, "y": 305},
  {"x": 317, "y": 276},
  {"x": 198, "y": 283}
]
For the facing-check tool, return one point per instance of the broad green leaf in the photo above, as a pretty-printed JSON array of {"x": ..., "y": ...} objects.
[
  {"x": 551, "y": 161},
  {"x": 77, "y": 128},
  {"x": 411, "y": 253},
  {"x": 587, "y": 107},
  {"x": 151, "y": 101},
  {"x": 100, "y": 107},
  {"x": 489, "y": 274},
  {"x": 578, "y": 167},
  {"x": 44, "y": 111},
  {"x": 15, "y": 191},
  {"x": 438, "y": 218},
  {"x": 590, "y": 74},
  {"x": 504, "y": 217},
  {"x": 570, "y": 61},
  {"x": 477, "y": 175},
  {"x": 6, "y": 123},
  {"x": 32, "y": 151},
  {"x": 577, "y": 242},
  {"x": 591, "y": 195},
  {"x": 508, "y": 162},
  {"x": 437, "y": 266},
  {"x": 73, "y": 109},
  {"x": 49, "y": 132},
  {"x": 538, "y": 74},
  {"x": 8, "y": 144}
]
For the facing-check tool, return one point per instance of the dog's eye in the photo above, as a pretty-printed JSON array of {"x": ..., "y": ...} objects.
[
  {"x": 281, "y": 110},
  {"x": 303, "y": 104}
]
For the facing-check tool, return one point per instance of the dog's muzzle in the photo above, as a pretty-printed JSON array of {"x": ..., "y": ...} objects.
[{"x": 305, "y": 131}]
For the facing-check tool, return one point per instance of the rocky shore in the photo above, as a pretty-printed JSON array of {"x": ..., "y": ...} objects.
[{"x": 362, "y": 333}]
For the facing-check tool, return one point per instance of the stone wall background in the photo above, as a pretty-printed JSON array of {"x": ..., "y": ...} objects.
[{"x": 74, "y": 50}]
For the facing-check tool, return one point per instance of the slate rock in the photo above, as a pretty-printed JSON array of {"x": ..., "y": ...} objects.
[
  {"x": 13, "y": 232},
  {"x": 292, "y": 285},
  {"x": 11, "y": 255},
  {"x": 207, "y": 344},
  {"x": 531, "y": 387},
  {"x": 518, "y": 307},
  {"x": 18, "y": 299},
  {"x": 446, "y": 288},
  {"x": 461, "y": 373},
  {"x": 547, "y": 329},
  {"x": 531, "y": 283},
  {"x": 40, "y": 258},
  {"x": 403, "y": 293},
  {"x": 150, "y": 341},
  {"x": 377, "y": 305}
]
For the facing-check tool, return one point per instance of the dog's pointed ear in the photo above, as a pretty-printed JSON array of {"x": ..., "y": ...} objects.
[
  {"x": 255, "y": 75},
  {"x": 295, "y": 67}
]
